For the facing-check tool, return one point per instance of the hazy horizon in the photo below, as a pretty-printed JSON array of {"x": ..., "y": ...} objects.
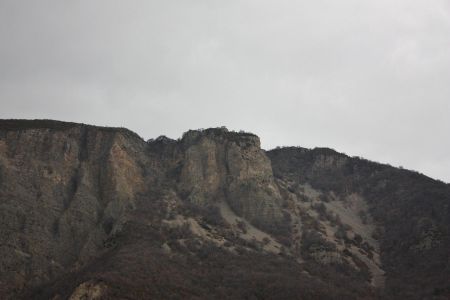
[{"x": 369, "y": 79}]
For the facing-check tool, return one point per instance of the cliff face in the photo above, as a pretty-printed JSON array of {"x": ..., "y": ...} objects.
[
  {"x": 66, "y": 187},
  {"x": 63, "y": 191},
  {"x": 98, "y": 213},
  {"x": 224, "y": 166}
]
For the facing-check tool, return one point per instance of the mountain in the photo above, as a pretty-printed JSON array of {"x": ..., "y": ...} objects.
[{"x": 98, "y": 213}]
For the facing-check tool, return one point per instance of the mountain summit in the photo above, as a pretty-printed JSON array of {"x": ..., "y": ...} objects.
[{"x": 98, "y": 213}]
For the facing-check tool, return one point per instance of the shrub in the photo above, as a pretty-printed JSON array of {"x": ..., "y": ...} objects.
[{"x": 242, "y": 226}]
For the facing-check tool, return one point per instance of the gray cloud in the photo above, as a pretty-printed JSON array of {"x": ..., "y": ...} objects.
[{"x": 369, "y": 78}]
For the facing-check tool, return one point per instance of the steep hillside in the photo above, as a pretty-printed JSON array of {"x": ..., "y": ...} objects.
[
  {"x": 409, "y": 214},
  {"x": 98, "y": 213}
]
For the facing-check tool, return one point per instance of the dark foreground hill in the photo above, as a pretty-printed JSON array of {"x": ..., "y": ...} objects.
[{"x": 98, "y": 213}]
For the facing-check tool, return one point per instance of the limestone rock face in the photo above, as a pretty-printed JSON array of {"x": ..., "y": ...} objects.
[
  {"x": 62, "y": 192},
  {"x": 98, "y": 213},
  {"x": 226, "y": 166},
  {"x": 65, "y": 188}
]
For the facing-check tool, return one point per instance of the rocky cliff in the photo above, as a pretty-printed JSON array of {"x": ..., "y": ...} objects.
[
  {"x": 64, "y": 188},
  {"x": 226, "y": 166},
  {"x": 98, "y": 213}
]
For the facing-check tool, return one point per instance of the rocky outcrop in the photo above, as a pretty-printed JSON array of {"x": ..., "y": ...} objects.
[
  {"x": 63, "y": 190},
  {"x": 227, "y": 166},
  {"x": 89, "y": 291}
]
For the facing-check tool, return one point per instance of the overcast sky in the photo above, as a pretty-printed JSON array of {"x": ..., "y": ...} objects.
[{"x": 368, "y": 78}]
